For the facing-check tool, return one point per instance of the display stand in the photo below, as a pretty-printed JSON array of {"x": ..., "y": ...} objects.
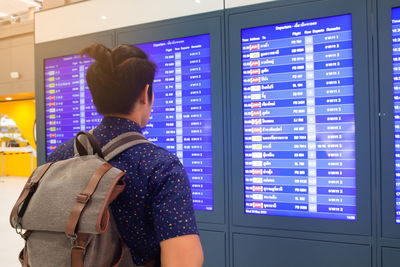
[{"x": 15, "y": 150}]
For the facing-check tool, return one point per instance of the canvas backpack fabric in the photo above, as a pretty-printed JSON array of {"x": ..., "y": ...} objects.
[{"x": 63, "y": 211}]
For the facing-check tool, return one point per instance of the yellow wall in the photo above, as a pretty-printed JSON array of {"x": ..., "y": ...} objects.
[{"x": 23, "y": 113}]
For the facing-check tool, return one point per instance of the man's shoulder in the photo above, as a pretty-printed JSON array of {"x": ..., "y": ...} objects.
[
  {"x": 147, "y": 151},
  {"x": 153, "y": 152},
  {"x": 63, "y": 151}
]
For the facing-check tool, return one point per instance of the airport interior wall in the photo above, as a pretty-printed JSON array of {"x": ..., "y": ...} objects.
[{"x": 237, "y": 231}]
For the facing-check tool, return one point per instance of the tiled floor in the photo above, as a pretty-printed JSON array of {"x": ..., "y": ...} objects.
[{"x": 10, "y": 242}]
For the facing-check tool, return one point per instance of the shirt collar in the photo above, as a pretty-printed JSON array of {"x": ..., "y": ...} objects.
[{"x": 117, "y": 126}]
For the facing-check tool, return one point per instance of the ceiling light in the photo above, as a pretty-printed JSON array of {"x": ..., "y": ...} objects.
[
  {"x": 103, "y": 17},
  {"x": 197, "y": 1},
  {"x": 31, "y": 2},
  {"x": 8, "y": 98},
  {"x": 14, "y": 75}
]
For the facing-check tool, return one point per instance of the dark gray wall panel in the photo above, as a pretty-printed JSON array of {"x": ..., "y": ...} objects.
[
  {"x": 272, "y": 15},
  {"x": 388, "y": 203},
  {"x": 215, "y": 250},
  {"x": 390, "y": 257},
  {"x": 257, "y": 251},
  {"x": 210, "y": 23}
]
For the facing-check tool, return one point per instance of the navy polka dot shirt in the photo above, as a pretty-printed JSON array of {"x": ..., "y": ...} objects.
[{"x": 157, "y": 202}]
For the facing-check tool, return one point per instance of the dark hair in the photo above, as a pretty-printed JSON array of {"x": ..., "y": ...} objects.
[{"x": 118, "y": 76}]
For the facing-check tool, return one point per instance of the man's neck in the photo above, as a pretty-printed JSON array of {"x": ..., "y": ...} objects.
[{"x": 134, "y": 117}]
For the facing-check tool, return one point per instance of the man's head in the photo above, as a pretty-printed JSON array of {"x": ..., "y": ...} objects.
[{"x": 120, "y": 81}]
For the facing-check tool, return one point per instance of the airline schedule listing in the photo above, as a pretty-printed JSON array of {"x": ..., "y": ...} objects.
[
  {"x": 181, "y": 116},
  {"x": 69, "y": 105},
  {"x": 298, "y": 117},
  {"x": 396, "y": 100}
]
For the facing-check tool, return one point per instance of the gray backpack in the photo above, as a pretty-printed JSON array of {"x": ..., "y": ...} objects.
[{"x": 64, "y": 208}]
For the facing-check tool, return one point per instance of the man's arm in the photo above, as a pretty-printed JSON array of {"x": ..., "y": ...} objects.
[
  {"x": 182, "y": 251},
  {"x": 173, "y": 214}
]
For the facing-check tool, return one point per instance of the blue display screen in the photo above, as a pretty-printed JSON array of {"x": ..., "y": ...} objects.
[
  {"x": 298, "y": 118},
  {"x": 396, "y": 102},
  {"x": 68, "y": 104},
  {"x": 181, "y": 114}
]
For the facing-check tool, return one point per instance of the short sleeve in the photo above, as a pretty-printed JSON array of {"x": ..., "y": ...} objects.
[{"x": 172, "y": 207}]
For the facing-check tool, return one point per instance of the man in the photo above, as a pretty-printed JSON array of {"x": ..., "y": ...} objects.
[{"x": 155, "y": 213}]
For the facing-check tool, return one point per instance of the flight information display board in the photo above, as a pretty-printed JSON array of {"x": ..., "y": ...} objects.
[
  {"x": 396, "y": 100},
  {"x": 69, "y": 106},
  {"x": 298, "y": 118},
  {"x": 181, "y": 116}
]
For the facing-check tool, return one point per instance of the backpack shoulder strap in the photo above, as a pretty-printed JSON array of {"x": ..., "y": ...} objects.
[
  {"x": 122, "y": 143},
  {"x": 86, "y": 144}
]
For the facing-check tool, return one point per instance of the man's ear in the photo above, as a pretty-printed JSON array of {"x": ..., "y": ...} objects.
[{"x": 144, "y": 99}]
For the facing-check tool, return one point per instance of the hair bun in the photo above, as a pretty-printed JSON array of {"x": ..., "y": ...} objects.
[
  {"x": 122, "y": 52},
  {"x": 117, "y": 77},
  {"x": 102, "y": 55}
]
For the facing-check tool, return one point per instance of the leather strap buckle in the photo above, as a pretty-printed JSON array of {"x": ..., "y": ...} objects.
[
  {"x": 31, "y": 186},
  {"x": 73, "y": 239},
  {"x": 83, "y": 198}
]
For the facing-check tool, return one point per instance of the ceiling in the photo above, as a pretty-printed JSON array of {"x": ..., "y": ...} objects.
[{"x": 12, "y": 9}]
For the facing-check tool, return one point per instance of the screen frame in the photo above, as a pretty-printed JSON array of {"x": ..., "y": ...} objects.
[
  {"x": 387, "y": 171},
  {"x": 173, "y": 29},
  {"x": 284, "y": 14}
]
